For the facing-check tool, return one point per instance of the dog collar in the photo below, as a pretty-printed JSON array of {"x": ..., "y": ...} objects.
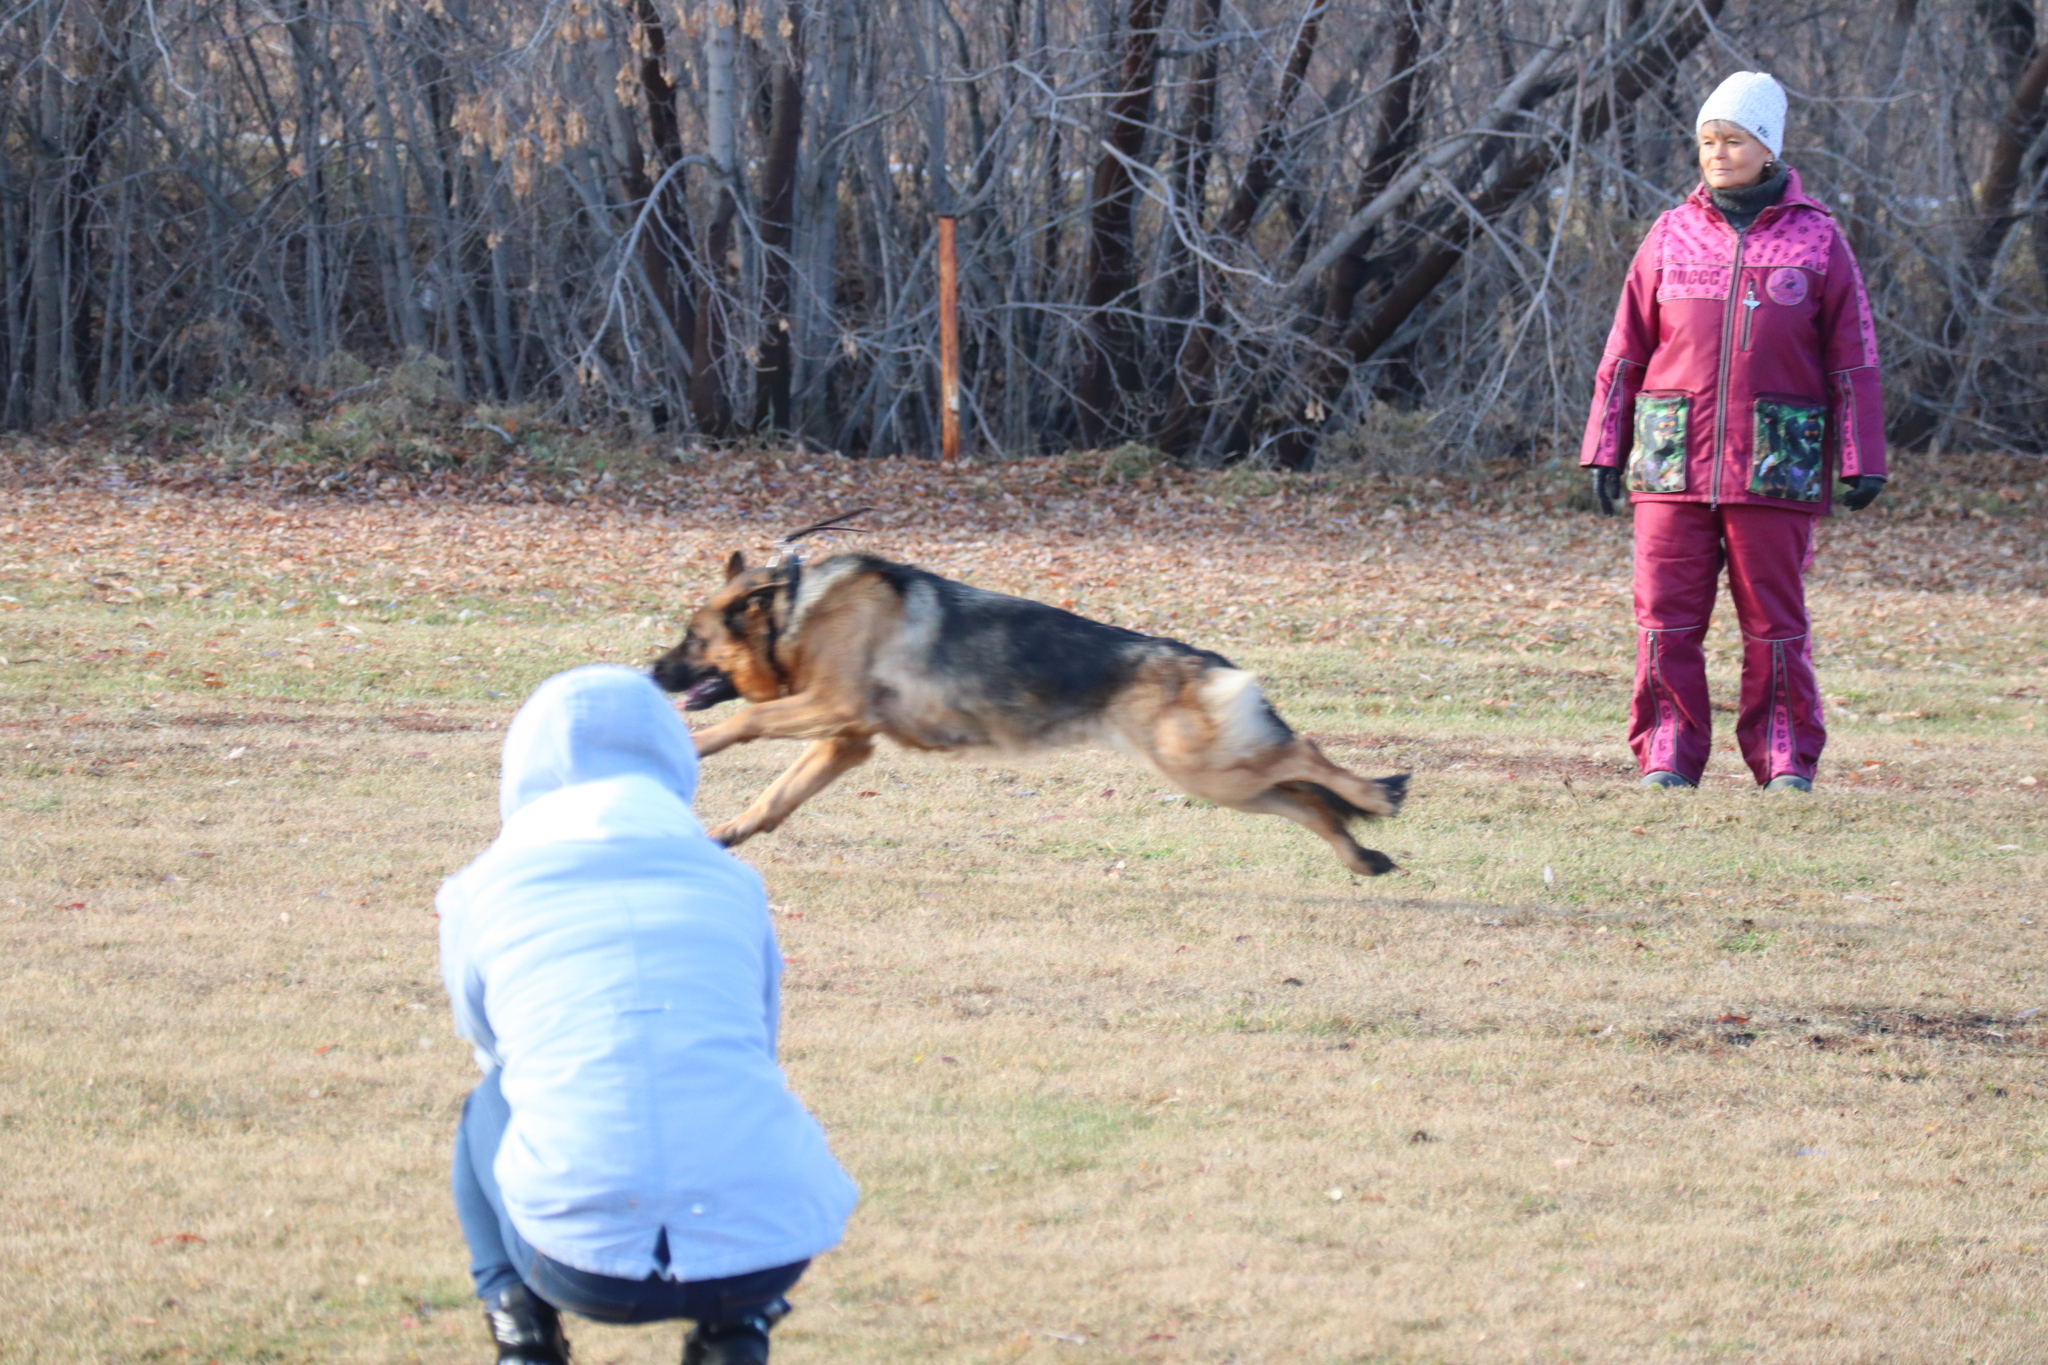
[{"x": 792, "y": 583}]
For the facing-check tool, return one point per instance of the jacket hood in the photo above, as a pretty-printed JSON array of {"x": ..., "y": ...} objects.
[
  {"x": 1702, "y": 197},
  {"x": 594, "y": 724}
]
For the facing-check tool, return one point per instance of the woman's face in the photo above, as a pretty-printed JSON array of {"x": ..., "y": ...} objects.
[{"x": 1731, "y": 157}]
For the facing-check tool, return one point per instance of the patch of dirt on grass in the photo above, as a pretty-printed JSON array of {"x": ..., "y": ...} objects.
[
  {"x": 1433, "y": 753},
  {"x": 1854, "y": 1030},
  {"x": 1975, "y": 1030},
  {"x": 225, "y": 720}
]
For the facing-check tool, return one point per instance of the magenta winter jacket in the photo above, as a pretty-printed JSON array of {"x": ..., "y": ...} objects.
[{"x": 1740, "y": 368}]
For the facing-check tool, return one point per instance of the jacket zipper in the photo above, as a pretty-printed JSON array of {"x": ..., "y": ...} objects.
[
  {"x": 1749, "y": 306},
  {"x": 1721, "y": 390}
]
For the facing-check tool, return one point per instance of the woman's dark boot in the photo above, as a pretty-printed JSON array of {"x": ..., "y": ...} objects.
[
  {"x": 742, "y": 1341},
  {"x": 527, "y": 1328}
]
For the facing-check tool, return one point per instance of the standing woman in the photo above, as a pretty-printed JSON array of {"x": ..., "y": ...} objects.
[{"x": 1739, "y": 382}]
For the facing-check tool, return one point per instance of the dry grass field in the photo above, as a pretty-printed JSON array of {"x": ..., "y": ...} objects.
[{"x": 1602, "y": 1076}]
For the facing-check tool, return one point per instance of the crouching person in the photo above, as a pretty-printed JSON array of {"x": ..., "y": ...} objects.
[{"x": 632, "y": 1154}]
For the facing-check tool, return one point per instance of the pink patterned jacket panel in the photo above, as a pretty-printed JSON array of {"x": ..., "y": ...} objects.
[{"x": 1742, "y": 368}]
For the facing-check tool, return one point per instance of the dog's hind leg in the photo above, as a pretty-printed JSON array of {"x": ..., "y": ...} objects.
[
  {"x": 1228, "y": 746},
  {"x": 1304, "y": 762},
  {"x": 1316, "y": 807},
  {"x": 817, "y": 768}
]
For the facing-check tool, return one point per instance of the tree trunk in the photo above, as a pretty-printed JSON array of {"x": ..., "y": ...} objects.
[
  {"x": 1111, "y": 367},
  {"x": 47, "y": 280},
  {"x": 401, "y": 300},
  {"x": 1187, "y": 407},
  {"x": 1192, "y": 152},
  {"x": 2026, "y": 113},
  {"x": 103, "y": 78},
  {"x": 815, "y": 347},
  {"x": 778, "y": 225},
  {"x": 1262, "y": 169},
  {"x": 2019, "y": 126},
  {"x": 1874, "y": 182},
  {"x": 1052, "y": 213},
  {"x": 1395, "y": 137},
  {"x": 309, "y": 165},
  {"x": 665, "y": 244},
  {"x": 436, "y": 160},
  {"x": 931, "y": 54},
  {"x": 14, "y": 330},
  {"x": 709, "y": 403}
]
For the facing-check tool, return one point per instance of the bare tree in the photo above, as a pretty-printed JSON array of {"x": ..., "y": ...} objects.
[
  {"x": 2018, "y": 128},
  {"x": 1229, "y": 230}
]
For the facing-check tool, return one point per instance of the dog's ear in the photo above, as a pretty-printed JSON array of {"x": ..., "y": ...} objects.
[{"x": 735, "y": 566}]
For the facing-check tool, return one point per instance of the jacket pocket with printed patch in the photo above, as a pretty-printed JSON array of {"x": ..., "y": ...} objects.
[
  {"x": 1657, "y": 463},
  {"x": 1788, "y": 460}
]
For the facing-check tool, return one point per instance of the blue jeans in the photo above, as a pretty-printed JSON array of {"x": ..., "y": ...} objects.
[{"x": 500, "y": 1258}]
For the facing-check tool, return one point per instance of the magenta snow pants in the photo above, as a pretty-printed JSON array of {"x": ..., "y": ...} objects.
[{"x": 1680, "y": 548}]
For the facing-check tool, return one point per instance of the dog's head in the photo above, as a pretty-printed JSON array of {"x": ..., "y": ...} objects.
[{"x": 728, "y": 650}]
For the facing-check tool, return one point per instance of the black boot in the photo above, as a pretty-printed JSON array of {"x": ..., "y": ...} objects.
[
  {"x": 742, "y": 1341},
  {"x": 527, "y": 1328}
]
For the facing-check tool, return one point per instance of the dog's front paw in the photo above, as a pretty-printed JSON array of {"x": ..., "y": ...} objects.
[{"x": 730, "y": 834}]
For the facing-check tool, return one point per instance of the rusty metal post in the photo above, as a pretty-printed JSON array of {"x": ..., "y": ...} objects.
[{"x": 949, "y": 341}]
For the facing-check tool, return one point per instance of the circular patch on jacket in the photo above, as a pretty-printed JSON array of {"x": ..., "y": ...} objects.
[{"x": 1786, "y": 285}]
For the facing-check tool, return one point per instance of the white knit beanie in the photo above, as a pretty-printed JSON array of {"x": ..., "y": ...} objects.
[{"x": 1754, "y": 101}]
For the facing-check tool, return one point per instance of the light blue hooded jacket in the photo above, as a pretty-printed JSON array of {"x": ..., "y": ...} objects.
[{"x": 621, "y": 969}]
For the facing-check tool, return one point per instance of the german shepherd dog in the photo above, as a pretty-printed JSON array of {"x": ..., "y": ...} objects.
[{"x": 853, "y": 647}]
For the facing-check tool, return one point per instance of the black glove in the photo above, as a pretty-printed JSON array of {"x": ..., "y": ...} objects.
[
  {"x": 1607, "y": 488},
  {"x": 1863, "y": 490}
]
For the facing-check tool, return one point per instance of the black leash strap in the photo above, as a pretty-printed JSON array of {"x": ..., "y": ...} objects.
[{"x": 830, "y": 524}]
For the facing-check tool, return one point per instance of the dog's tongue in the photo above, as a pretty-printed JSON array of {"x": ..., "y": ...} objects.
[{"x": 700, "y": 694}]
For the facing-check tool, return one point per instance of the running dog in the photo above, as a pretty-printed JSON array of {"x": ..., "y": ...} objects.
[{"x": 853, "y": 647}]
